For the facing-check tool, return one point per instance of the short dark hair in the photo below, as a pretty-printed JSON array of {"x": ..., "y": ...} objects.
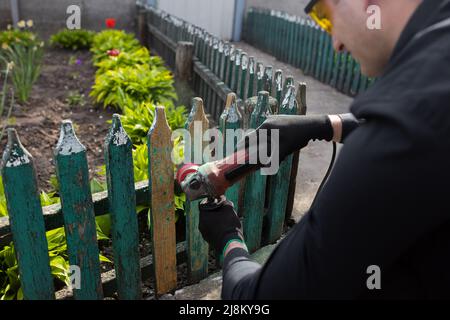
[{"x": 310, "y": 5}]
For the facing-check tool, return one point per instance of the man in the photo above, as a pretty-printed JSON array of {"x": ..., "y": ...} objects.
[{"x": 385, "y": 206}]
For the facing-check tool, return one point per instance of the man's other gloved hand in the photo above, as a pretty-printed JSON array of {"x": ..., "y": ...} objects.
[
  {"x": 295, "y": 132},
  {"x": 219, "y": 223}
]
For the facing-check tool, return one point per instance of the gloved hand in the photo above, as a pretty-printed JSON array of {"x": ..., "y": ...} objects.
[
  {"x": 295, "y": 132},
  {"x": 219, "y": 223}
]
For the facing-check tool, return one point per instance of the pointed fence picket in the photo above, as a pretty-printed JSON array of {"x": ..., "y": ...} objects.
[
  {"x": 197, "y": 248},
  {"x": 122, "y": 204},
  {"x": 26, "y": 219},
  {"x": 162, "y": 207},
  {"x": 78, "y": 211}
]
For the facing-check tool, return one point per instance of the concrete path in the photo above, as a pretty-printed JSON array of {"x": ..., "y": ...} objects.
[{"x": 320, "y": 99}]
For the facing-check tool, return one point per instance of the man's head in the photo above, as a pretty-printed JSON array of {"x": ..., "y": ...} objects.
[{"x": 352, "y": 28}]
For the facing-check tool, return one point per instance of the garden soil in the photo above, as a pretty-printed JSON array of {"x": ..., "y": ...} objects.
[{"x": 38, "y": 121}]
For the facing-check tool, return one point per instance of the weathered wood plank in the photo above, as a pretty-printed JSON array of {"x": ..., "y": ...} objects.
[
  {"x": 278, "y": 80},
  {"x": 268, "y": 79},
  {"x": 259, "y": 77},
  {"x": 255, "y": 186},
  {"x": 210, "y": 80},
  {"x": 197, "y": 248},
  {"x": 251, "y": 78},
  {"x": 220, "y": 56},
  {"x": 122, "y": 204},
  {"x": 231, "y": 60},
  {"x": 289, "y": 81},
  {"x": 302, "y": 109},
  {"x": 78, "y": 211},
  {"x": 279, "y": 186},
  {"x": 226, "y": 56},
  {"x": 244, "y": 68},
  {"x": 237, "y": 70},
  {"x": 231, "y": 119},
  {"x": 161, "y": 181},
  {"x": 27, "y": 222}
]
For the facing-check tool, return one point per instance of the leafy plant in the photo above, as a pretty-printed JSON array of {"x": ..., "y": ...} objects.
[
  {"x": 27, "y": 67},
  {"x": 140, "y": 159},
  {"x": 9, "y": 38},
  {"x": 138, "y": 121},
  {"x": 73, "y": 39},
  {"x": 3, "y": 96},
  {"x": 76, "y": 99},
  {"x": 136, "y": 57},
  {"x": 129, "y": 86},
  {"x": 112, "y": 40},
  {"x": 10, "y": 287}
]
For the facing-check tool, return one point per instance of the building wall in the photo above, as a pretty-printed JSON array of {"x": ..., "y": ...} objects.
[
  {"x": 215, "y": 16},
  {"x": 294, "y": 7},
  {"x": 50, "y": 15}
]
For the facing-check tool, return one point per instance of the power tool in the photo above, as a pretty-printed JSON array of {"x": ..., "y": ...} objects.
[{"x": 212, "y": 179}]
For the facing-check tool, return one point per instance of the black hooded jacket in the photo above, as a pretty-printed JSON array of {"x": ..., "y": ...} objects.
[{"x": 386, "y": 205}]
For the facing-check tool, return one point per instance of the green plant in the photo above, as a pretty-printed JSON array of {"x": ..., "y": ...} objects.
[
  {"x": 76, "y": 99},
  {"x": 27, "y": 67},
  {"x": 10, "y": 287},
  {"x": 136, "y": 57},
  {"x": 110, "y": 40},
  {"x": 73, "y": 39},
  {"x": 129, "y": 86},
  {"x": 14, "y": 37},
  {"x": 138, "y": 121},
  {"x": 3, "y": 96}
]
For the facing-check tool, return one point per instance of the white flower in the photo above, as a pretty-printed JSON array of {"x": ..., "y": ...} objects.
[
  {"x": 10, "y": 66},
  {"x": 21, "y": 24},
  {"x": 9, "y": 27},
  {"x": 30, "y": 23}
]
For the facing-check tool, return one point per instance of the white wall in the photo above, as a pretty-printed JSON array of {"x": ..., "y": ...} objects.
[
  {"x": 215, "y": 16},
  {"x": 293, "y": 7}
]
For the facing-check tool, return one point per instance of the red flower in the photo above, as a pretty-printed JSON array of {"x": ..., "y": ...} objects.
[
  {"x": 110, "y": 23},
  {"x": 113, "y": 53}
]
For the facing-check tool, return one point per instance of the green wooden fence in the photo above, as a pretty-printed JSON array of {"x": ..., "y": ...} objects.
[
  {"x": 301, "y": 43},
  {"x": 264, "y": 206},
  {"x": 218, "y": 66}
]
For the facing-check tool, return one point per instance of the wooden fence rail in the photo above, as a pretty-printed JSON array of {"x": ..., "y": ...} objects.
[{"x": 301, "y": 43}]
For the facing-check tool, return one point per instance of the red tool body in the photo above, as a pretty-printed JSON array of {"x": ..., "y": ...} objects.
[{"x": 212, "y": 179}]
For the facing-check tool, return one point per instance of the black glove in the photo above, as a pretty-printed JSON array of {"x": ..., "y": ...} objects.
[
  {"x": 295, "y": 132},
  {"x": 219, "y": 223}
]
